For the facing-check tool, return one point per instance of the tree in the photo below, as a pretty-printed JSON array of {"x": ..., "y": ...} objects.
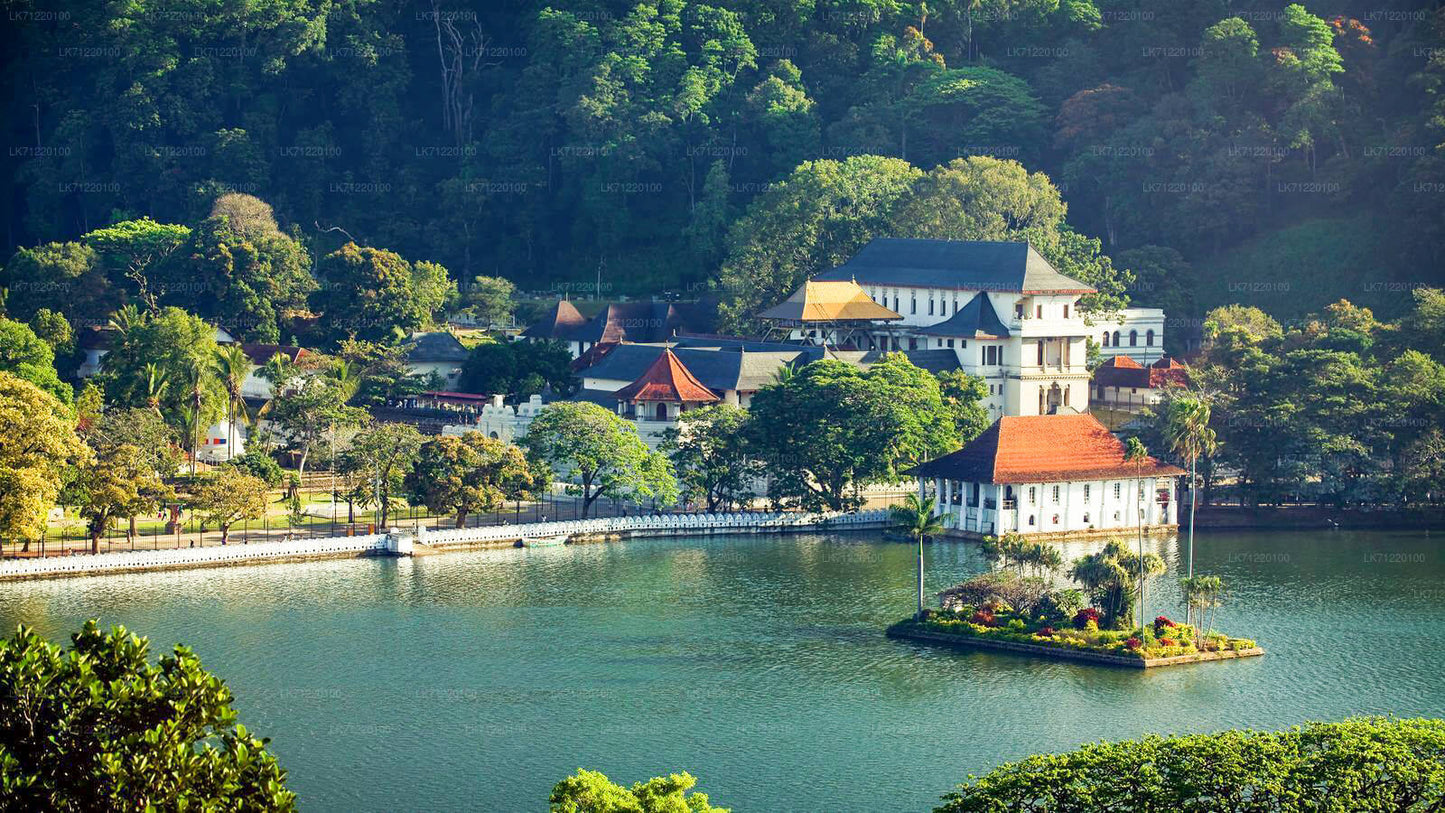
[
  {"x": 518, "y": 369},
  {"x": 243, "y": 271},
  {"x": 1134, "y": 451},
  {"x": 1361, "y": 763},
  {"x": 306, "y": 413},
  {"x": 26, "y": 356},
  {"x": 584, "y": 442},
  {"x": 37, "y": 444},
  {"x": 69, "y": 276},
  {"x": 1202, "y": 595},
  {"x": 1189, "y": 436},
  {"x": 97, "y": 727},
  {"x": 232, "y": 368},
  {"x": 376, "y": 295},
  {"x": 154, "y": 362},
  {"x": 53, "y": 329},
  {"x": 383, "y": 454},
  {"x": 710, "y": 454},
  {"x": 133, "y": 248},
  {"x": 490, "y": 299},
  {"x": 592, "y": 792},
  {"x": 1112, "y": 578},
  {"x": 466, "y": 474},
  {"x": 829, "y": 430},
  {"x": 963, "y": 396},
  {"x": 917, "y": 517},
  {"x": 815, "y": 219},
  {"x": 118, "y": 482},
  {"x": 228, "y": 497}
]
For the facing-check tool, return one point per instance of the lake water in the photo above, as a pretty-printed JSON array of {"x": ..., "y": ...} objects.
[{"x": 477, "y": 680}]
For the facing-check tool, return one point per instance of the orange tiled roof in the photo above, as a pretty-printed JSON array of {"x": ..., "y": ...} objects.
[
  {"x": 668, "y": 379},
  {"x": 1122, "y": 363},
  {"x": 829, "y": 301},
  {"x": 1167, "y": 371},
  {"x": 1042, "y": 449}
]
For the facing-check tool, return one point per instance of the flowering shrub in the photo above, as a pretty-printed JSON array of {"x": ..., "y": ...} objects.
[
  {"x": 1132, "y": 643},
  {"x": 1162, "y": 623},
  {"x": 983, "y": 617},
  {"x": 1166, "y": 642},
  {"x": 1046, "y": 631},
  {"x": 1085, "y": 616}
]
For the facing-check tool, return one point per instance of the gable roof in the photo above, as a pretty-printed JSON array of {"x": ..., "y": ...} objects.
[
  {"x": 971, "y": 265},
  {"x": 261, "y": 353},
  {"x": 975, "y": 320},
  {"x": 1122, "y": 371},
  {"x": 829, "y": 301},
  {"x": 436, "y": 346},
  {"x": 559, "y": 321},
  {"x": 1042, "y": 449},
  {"x": 668, "y": 379}
]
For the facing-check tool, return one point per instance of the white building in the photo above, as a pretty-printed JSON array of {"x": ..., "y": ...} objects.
[
  {"x": 1049, "y": 474},
  {"x": 1138, "y": 333},
  {"x": 1008, "y": 315}
]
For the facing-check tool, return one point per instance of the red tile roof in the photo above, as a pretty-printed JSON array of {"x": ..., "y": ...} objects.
[
  {"x": 1166, "y": 372},
  {"x": 1123, "y": 363},
  {"x": 1043, "y": 449},
  {"x": 668, "y": 379}
]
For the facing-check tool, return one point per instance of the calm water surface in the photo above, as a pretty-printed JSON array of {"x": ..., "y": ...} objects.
[{"x": 475, "y": 681}]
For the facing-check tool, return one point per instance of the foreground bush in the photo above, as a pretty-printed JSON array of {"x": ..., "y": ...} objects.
[
  {"x": 98, "y": 727},
  {"x": 1361, "y": 764},
  {"x": 592, "y": 792}
]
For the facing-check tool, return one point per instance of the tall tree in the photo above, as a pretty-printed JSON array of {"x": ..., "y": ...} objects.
[
  {"x": 599, "y": 454},
  {"x": 37, "y": 444},
  {"x": 710, "y": 454},
  {"x": 383, "y": 454},
  {"x": 468, "y": 474}
]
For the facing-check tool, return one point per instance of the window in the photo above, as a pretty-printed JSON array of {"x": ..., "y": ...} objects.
[
  {"x": 1041, "y": 352},
  {"x": 1019, "y": 311},
  {"x": 1056, "y": 495},
  {"x": 1066, "y": 395},
  {"x": 930, "y": 304},
  {"x": 1031, "y": 519},
  {"x": 1066, "y": 311},
  {"x": 1133, "y": 338},
  {"x": 913, "y": 303},
  {"x": 1118, "y": 490},
  {"x": 895, "y": 304},
  {"x": 1086, "y": 517},
  {"x": 1105, "y": 343},
  {"x": 1056, "y": 519},
  {"x": 963, "y": 342},
  {"x": 1033, "y": 494},
  {"x": 1148, "y": 338},
  {"x": 1116, "y": 333},
  {"x": 1086, "y": 499},
  {"x": 1039, "y": 312},
  {"x": 950, "y": 342}
]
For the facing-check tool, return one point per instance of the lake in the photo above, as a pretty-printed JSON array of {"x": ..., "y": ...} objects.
[{"x": 477, "y": 680}]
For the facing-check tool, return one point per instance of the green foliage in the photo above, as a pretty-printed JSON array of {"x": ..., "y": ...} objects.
[
  {"x": 306, "y": 413},
  {"x": 37, "y": 444},
  {"x": 592, "y": 792},
  {"x": 242, "y": 271},
  {"x": 519, "y": 369},
  {"x": 1112, "y": 579},
  {"x": 711, "y": 456},
  {"x": 460, "y": 475},
  {"x": 830, "y": 429},
  {"x": 119, "y": 482},
  {"x": 259, "y": 464},
  {"x": 381, "y": 456},
  {"x": 376, "y": 295},
  {"x": 599, "y": 454},
  {"x": 27, "y": 356},
  {"x": 98, "y": 727},
  {"x": 132, "y": 249},
  {"x": 491, "y": 300},
  {"x": 69, "y": 276},
  {"x": 228, "y": 497},
  {"x": 156, "y": 360},
  {"x": 1367, "y": 764}
]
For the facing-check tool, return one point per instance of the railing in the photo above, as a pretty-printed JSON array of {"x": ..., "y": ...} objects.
[{"x": 378, "y": 544}]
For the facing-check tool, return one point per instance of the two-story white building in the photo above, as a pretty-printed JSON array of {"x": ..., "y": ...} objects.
[{"x": 1050, "y": 474}]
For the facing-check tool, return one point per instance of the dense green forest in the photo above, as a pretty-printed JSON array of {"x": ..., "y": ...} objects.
[{"x": 1275, "y": 155}]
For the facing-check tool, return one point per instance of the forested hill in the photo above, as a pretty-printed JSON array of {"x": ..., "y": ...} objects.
[{"x": 1276, "y": 155}]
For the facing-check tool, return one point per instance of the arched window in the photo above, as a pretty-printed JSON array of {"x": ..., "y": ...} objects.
[
  {"x": 1116, "y": 338},
  {"x": 1133, "y": 338},
  {"x": 1031, "y": 519},
  {"x": 493, "y": 436},
  {"x": 1149, "y": 338},
  {"x": 1106, "y": 339},
  {"x": 662, "y": 412}
]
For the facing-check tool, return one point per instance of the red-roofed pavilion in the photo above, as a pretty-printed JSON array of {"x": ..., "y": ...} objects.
[
  {"x": 664, "y": 390},
  {"x": 1053, "y": 474}
]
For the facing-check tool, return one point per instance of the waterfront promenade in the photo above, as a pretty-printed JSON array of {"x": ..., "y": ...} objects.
[{"x": 407, "y": 541}]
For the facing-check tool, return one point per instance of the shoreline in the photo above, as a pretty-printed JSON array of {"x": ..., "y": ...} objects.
[{"x": 903, "y": 631}]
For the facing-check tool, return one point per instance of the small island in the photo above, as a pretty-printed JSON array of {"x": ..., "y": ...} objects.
[{"x": 1017, "y": 609}]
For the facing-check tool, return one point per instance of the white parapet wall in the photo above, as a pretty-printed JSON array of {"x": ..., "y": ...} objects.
[
  {"x": 126, "y": 561},
  {"x": 402, "y": 541}
]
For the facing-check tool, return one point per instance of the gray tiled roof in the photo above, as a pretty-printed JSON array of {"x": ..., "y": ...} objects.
[
  {"x": 977, "y": 319},
  {"x": 972, "y": 265},
  {"x": 435, "y": 346}
]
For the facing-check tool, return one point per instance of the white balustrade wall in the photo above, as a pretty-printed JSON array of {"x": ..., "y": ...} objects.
[{"x": 382, "y": 544}]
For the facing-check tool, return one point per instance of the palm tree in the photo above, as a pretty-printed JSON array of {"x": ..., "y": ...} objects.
[
  {"x": 1188, "y": 433},
  {"x": 915, "y": 517},
  {"x": 347, "y": 377},
  {"x": 157, "y": 382},
  {"x": 193, "y": 415},
  {"x": 126, "y": 319},
  {"x": 1202, "y": 593},
  {"x": 1134, "y": 450},
  {"x": 232, "y": 367}
]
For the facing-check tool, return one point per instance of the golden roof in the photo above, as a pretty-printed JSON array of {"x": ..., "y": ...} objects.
[{"x": 829, "y": 301}]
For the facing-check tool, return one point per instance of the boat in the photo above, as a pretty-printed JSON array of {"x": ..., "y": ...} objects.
[{"x": 544, "y": 541}]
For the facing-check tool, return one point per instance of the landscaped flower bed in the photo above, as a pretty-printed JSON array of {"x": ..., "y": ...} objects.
[{"x": 997, "y": 622}]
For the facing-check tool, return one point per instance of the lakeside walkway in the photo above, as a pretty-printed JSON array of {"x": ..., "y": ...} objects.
[{"x": 403, "y": 541}]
